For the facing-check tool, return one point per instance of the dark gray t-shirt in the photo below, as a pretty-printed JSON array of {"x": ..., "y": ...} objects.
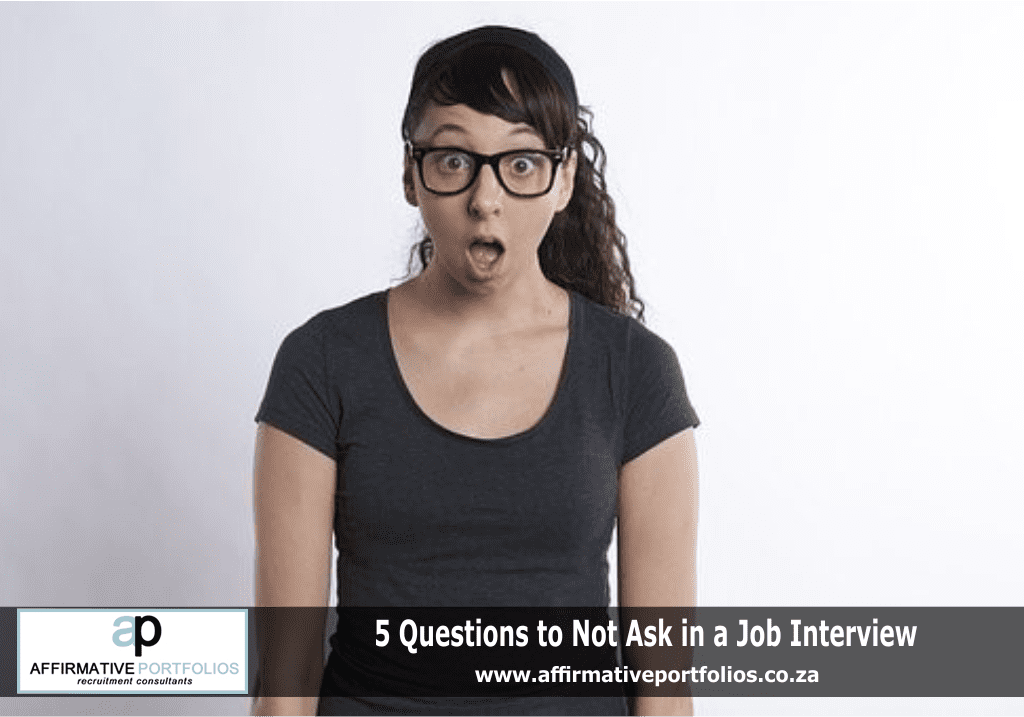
[{"x": 428, "y": 517}]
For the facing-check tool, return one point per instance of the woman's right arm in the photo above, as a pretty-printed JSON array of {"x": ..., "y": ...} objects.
[{"x": 293, "y": 496}]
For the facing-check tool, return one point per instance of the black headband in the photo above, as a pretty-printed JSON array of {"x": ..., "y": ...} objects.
[{"x": 528, "y": 42}]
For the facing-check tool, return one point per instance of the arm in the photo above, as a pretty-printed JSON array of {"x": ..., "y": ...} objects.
[
  {"x": 658, "y": 539},
  {"x": 293, "y": 495}
]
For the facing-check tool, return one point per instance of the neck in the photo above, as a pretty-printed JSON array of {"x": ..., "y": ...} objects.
[{"x": 530, "y": 298}]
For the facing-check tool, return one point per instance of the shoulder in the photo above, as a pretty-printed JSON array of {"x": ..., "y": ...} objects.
[
  {"x": 352, "y": 318},
  {"x": 623, "y": 335},
  {"x": 644, "y": 375},
  {"x": 346, "y": 327},
  {"x": 334, "y": 338}
]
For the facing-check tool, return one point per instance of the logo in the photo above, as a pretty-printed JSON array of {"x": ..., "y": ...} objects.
[
  {"x": 176, "y": 650},
  {"x": 132, "y": 635}
]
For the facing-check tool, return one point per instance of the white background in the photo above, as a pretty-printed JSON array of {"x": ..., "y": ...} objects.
[{"x": 825, "y": 209}]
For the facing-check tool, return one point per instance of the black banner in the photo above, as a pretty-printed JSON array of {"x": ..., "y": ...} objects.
[{"x": 722, "y": 652}]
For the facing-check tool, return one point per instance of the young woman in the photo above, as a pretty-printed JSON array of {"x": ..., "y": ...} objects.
[{"x": 471, "y": 435}]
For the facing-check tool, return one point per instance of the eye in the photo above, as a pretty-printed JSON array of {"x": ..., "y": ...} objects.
[
  {"x": 451, "y": 162},
  {"x": 526, "y": 163}
]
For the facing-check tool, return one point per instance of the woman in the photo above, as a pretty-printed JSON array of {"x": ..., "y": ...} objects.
[{"x": 471, "y": 434}]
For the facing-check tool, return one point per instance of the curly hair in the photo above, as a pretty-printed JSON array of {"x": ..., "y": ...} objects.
[{"x": 583, "y": 249}]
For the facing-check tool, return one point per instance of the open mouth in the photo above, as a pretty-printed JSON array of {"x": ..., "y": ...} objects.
[{"x": 486, "y": 251}]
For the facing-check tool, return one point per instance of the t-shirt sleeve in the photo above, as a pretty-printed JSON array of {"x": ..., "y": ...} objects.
[
  {"x": 657, "y": 406},
  {"x": 299, "y": 398}
]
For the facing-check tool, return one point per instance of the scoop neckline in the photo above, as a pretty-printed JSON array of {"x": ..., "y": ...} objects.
[{"x": 547, "y": 417}]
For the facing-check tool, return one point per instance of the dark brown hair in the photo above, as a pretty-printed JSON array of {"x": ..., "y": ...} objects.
[{"x": 583, "y": 249}]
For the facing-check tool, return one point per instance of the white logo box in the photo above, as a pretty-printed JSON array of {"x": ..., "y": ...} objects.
[{"x": 73, "y": 651}]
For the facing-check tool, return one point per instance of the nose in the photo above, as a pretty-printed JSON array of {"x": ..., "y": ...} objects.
[{"x": 486, "y": 193}]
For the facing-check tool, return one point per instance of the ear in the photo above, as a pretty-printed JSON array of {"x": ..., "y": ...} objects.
[
  {"x": 567, "y": 183},
  {"x": 408, "y": 182}
]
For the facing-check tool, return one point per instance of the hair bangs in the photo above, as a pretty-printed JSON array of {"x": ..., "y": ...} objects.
[{"x": 502, "y": 81}]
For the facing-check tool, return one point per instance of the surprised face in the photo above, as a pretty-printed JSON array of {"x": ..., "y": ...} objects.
[{"x": 483, "y": 236}]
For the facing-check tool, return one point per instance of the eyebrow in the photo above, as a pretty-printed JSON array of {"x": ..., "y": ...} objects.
[{"x": 524, "y": 129}]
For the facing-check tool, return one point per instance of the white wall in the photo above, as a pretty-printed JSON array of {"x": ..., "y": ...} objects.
[{"x": 825, "y": 215}]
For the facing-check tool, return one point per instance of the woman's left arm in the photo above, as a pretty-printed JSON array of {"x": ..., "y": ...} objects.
[{"x": 658, "y": 539}]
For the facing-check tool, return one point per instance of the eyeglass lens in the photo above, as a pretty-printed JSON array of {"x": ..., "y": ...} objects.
[{"x": 525, "y": 172}]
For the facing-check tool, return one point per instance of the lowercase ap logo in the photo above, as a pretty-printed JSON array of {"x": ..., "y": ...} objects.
[
  {"x": 177, "y": 650},
  {"x": 132, "y": 635}
]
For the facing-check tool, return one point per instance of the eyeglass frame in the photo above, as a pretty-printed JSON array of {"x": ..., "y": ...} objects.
[{"x": 557, "y": 156}]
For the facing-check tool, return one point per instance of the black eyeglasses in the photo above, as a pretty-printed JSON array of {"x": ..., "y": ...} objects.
[{"x": 520, "y": 172}]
